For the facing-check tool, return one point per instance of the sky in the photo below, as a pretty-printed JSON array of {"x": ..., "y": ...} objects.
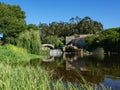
[{"x": 46, "y": 11}]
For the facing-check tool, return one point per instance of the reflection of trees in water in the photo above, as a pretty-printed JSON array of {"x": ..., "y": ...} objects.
[
  {"x": 99, "y": 56},
  {"x": 108, "y": 61},
  {"x": 93, "y": 66},
  {"x": 58, "y": 62},
  {"x": 90, "y": 67},
  {"x": 74, "y": 75}
]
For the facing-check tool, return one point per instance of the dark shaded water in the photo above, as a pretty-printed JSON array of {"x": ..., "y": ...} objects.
[{"x": 96, "y": 69}]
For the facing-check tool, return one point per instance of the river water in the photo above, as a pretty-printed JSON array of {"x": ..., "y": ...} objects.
[{"x": 96, "y": 69}]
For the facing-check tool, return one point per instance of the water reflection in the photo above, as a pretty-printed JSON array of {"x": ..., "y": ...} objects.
[
  {"x": 48, "y": 59},
  {"x": 70, "y": 66}
]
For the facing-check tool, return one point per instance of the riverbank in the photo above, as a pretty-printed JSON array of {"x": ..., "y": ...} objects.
[
  {"x": 27, "y": 77},
  {"x": 10, "y": 54}
]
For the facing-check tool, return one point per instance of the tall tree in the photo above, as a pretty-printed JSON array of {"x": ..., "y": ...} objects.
[
  {"x": 30, "y": 39},
  {"x": 12, "y": 22},
  {"x": 87, "y": 25}
]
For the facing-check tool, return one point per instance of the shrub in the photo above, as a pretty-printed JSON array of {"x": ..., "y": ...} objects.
[{"x": 30, "y": 40}]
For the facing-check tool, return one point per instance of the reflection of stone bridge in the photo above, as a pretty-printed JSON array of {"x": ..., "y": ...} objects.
[{"x": 48, "y": 45}]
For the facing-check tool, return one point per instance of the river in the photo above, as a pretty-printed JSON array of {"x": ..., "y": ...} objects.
[{"x": 96, "y": 69}]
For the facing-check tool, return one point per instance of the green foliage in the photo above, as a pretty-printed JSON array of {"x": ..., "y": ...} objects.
[
  {"x": 20, "y": 77},
  {"x": 90, "y": 42},
  {"x": 23, "y": 78},
  {"x": 30, "y": 40},
  {"x": 32, "y": 27},
  {"x": 58, "y": 42},
  {"x": 30, "y": 78},
  {"x": 108, "y": 39},
  {"x": 90, "y": 39},
  {"x": 87, "y": 25},
  {"x": 75, "y": 26},
  {"x": 11, "y": 22},
  {"x": 12, "y": 54}
]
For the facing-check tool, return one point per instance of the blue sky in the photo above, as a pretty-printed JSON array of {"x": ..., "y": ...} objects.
[{"x": 45, "y": 11}]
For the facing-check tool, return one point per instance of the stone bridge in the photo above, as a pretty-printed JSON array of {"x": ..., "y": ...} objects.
[{"x": 48, "y": 45}]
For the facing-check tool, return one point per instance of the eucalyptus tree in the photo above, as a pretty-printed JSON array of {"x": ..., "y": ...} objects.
[
  {"x": 74, "y": 24},
  {"x": 44, "y": 29},
  {"x": 89, "y": 26},
  {"x": 60, "y": 29},
  {"x": 53, "y": 28}
]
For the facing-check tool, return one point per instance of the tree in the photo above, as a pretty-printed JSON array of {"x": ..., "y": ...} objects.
[
  {"x": 30, "y": 40},
  {"x": 32, "y": 27},
  {"x": 91, "y": 42},
  {"x": 110, "y": 39},
  {"x": 74, "y": 27},
  {"x": 88, "y": 26},
  {"x": 11, "y": 22},
  {"x": 75, "y": 20},
  {"x": 54, "y": 40}
]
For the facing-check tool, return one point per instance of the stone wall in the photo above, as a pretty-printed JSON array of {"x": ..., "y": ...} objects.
[{"x": 78, "y": 41}]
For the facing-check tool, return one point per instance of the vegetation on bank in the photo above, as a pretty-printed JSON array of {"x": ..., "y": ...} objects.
[
  {"x": 23, "y": 78},
  {"x": 16, "y": 75},
  {"x": 108, "y": 39},
  {"x": 12, "y": 22},
  {"x": 12, "y": 54},
  {"x": 30, "y": 40},
  {"x": 30, "y": 78},
  {"x": 16, "y": 31}
]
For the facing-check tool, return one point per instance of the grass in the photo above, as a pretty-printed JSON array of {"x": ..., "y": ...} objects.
[
  {"x": 11, "y": 54},
  {"x": 30, "y": 78},
  {"x": 27, "y": 77},
  {"x": 23, "y": 78}
]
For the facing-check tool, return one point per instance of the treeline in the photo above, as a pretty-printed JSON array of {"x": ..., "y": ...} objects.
[
  {"x": 55, "y": 32},
  {"x": 108, "y": 39}
]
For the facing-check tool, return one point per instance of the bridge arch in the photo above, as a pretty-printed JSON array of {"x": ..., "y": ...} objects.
[{"x": 49, "y": 46}]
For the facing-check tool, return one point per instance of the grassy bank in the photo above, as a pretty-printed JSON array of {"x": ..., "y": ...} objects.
[
  {"x": 20, "y": 77},
  {"x": 10, "y": 54},
  {"x": 29, "y": 78},
  {"x": 23, "y": 78}
]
